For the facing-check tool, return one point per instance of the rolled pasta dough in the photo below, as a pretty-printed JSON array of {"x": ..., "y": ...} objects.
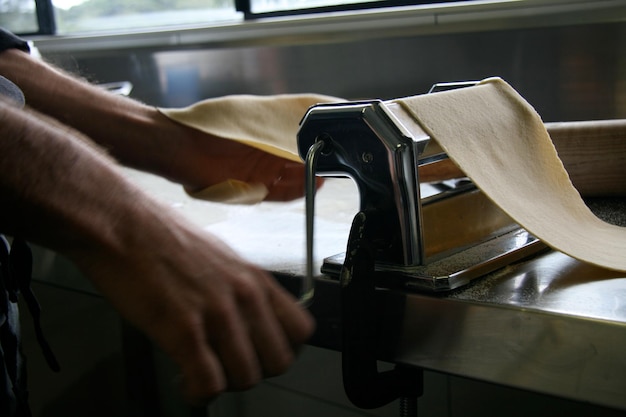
[{"x": 501, "y": 143}]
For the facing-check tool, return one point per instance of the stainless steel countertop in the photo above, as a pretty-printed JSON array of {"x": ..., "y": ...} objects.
[{"x": 550, "y": 324}]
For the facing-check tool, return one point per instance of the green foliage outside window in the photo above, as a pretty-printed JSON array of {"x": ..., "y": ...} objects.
[
  {"x": 97, "y": 15},
  {"x": 18, "y": 15}
]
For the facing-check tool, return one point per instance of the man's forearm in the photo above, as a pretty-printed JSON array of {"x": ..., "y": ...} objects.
[
  {"x": 47, "y": 185},
  {"x": 132, "y": 132}
]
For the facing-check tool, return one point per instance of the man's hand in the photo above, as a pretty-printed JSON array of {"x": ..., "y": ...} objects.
[
  {"x": 202, "y": 160},
  {"x": 225, "y": 322}
]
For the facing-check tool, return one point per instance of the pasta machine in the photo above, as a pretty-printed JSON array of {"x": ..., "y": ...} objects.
[
  {"x": 433, "y": 236},
  {"x": 407, "y": 235}
]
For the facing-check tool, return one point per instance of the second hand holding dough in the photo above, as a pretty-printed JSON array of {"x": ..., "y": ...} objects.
[{"x": 268, "y": 123}]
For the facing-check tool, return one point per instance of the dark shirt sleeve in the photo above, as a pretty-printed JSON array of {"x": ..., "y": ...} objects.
[
  {"x": 9, "y": 40},
  {"x": 7, "y": 88}
]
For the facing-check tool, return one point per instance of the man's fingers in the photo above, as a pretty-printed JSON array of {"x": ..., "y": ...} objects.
[
  {"x": 266, "y": 332},
  {"x": 297, "y": 323},
  {"x": 290, "y": 183},
  {"x": 273, "y": 325},
  {"x": 203, "y": 374},
  {"x": 235, "y": 348}
]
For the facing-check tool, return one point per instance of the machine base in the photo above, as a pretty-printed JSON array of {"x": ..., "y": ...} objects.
[{"x": 455, "y": 270}]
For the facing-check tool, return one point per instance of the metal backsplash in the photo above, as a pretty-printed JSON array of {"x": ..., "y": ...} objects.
[{"x": 568, "y": 73}]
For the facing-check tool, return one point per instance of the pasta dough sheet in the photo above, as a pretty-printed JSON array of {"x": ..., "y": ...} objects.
[
  {"x": 501, "y": 143},
  {"x": 489, "y": 130},
  {"x": 269, "y": 123}
]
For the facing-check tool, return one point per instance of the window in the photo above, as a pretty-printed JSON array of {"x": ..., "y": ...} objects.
[
  {"x": 83, "y": 16},
  {"x": 74, "y": 16},
  {"x": 27, "y": 16}
]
